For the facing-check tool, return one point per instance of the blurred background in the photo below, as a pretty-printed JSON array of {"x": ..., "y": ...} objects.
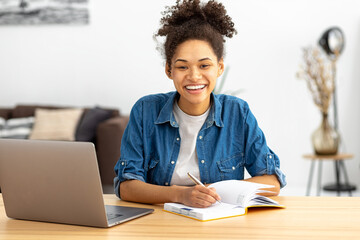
[{"x": 112, "y": 61}]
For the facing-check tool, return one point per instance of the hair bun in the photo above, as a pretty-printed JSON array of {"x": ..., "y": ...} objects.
[
  {"x": 217, "y": 17},
  {"x": 212, "y": 12}
]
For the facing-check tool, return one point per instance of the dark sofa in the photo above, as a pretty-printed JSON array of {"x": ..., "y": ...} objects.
[{"x": 107, "y": 137}]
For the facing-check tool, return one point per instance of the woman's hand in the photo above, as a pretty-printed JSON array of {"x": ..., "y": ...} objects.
[{"x": 198, "y": 196}]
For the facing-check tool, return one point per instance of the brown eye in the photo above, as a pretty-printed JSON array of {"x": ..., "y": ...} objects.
[{"x": 181, "y": 67}]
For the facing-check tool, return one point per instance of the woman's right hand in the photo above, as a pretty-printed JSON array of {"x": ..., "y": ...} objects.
[{"x": 198, "y": 196}]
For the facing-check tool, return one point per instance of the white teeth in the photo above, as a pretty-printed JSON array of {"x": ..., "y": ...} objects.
[{"x": 195, "y": 87}]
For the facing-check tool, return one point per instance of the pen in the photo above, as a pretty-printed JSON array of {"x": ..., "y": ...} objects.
[{"x": 197, "y": 182}]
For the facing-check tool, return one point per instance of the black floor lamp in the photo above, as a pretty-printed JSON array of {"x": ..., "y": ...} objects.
[{"x": 332, "y": 42}]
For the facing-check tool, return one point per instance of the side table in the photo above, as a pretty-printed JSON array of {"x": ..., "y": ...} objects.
[{"x": 339, "y": 165}]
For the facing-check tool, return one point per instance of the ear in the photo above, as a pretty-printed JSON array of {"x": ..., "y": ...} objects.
[
  {"x": 221, "y": 67},
  {"x": 168, "y": 70}
]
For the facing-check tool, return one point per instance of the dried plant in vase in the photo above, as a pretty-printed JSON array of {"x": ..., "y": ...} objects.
[{"x": 318, "y": 72}]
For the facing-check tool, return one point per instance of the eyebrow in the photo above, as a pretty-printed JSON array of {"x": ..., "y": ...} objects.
[{"x": 183, "y": 60}]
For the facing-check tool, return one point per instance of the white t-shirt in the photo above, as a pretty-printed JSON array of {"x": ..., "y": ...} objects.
[{"x": 189, "y": 127}]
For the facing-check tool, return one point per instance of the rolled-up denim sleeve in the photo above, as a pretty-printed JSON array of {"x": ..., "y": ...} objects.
[
  {"x": 259, "y": 158},
  {"x": 131, "y": 162}
]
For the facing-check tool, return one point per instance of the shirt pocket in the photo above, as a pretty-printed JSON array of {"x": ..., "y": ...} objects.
[
  {"x": 151, "y": 171},
  {"x": 231, "y": 167}
]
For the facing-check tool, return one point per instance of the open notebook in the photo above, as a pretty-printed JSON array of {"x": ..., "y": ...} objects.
[{"x": 236, "y": 198}]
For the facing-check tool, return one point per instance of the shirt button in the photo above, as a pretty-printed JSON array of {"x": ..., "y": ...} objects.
[
  {"x": 233, "y": 168},
  {"x": 173, "y": 123},
  {"x": 166, "y": 183},
  {"x": 122, "y": 163},
  {"x": 202, "y": 161},
  {"x": 172, "y": 162},
  {"x": 177, "y": 139},
  {"x": 200, "y": 137},
  {"x": 270, "y": 156}
]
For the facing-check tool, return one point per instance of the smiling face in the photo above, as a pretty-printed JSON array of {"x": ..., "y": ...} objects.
[{"x": 194, "y": 70}]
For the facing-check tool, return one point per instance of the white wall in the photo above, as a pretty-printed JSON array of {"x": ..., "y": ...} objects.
[{"x": 113, "y": 62}]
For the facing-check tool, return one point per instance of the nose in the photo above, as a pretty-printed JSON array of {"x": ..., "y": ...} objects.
[{"x": 194, "y": 74}]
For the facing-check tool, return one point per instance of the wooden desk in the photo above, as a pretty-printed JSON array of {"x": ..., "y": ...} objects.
[{"x": 304, "y": 218}]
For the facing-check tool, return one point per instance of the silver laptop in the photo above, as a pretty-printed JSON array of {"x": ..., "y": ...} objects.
[{"x": 56, "y": 181}]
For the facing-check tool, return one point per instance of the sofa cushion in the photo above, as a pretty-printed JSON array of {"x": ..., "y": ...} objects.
[
  {"x": 59, "y": 124},
  {"x": 87, "y": 127},
  {"x": 18, "y": 128},
  {"x": 2, "y": 123}
]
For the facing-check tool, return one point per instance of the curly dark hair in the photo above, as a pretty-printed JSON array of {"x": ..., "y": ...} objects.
[{"x": 189, "y": 19}]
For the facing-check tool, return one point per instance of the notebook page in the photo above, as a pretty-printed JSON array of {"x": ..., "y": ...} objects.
[{"x": 238, "y": 192}]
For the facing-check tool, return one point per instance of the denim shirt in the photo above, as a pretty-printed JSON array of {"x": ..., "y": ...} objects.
[{"x": 229, "y": 141}]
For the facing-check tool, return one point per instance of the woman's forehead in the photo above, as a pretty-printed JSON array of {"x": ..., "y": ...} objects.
[{"x": 194, "y": 50}]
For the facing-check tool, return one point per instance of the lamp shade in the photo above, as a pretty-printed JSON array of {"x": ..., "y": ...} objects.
[{"x": 332, "y": 41}]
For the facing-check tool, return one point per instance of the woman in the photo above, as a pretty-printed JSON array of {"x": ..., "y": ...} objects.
[{"x": 214, "y": 137}]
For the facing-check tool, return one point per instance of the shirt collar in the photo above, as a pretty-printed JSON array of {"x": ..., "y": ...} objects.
[
  {"x": 166, "y": 114},
  {"x": 215, "y": 112}
]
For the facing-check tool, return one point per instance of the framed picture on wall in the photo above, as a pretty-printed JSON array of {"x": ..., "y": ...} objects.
[{"x": 39, "y": 12}]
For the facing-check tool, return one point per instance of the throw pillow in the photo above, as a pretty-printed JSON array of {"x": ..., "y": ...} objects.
[
  {"x": 18, "y": 128},
  {"x": 2, "y": 123},
  {"x": 59, "y": 124},
  {"x": 87, "y": 128}
]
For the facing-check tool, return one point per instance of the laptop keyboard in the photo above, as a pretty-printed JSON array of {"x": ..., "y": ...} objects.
[{"x": 111, "y": 216}]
